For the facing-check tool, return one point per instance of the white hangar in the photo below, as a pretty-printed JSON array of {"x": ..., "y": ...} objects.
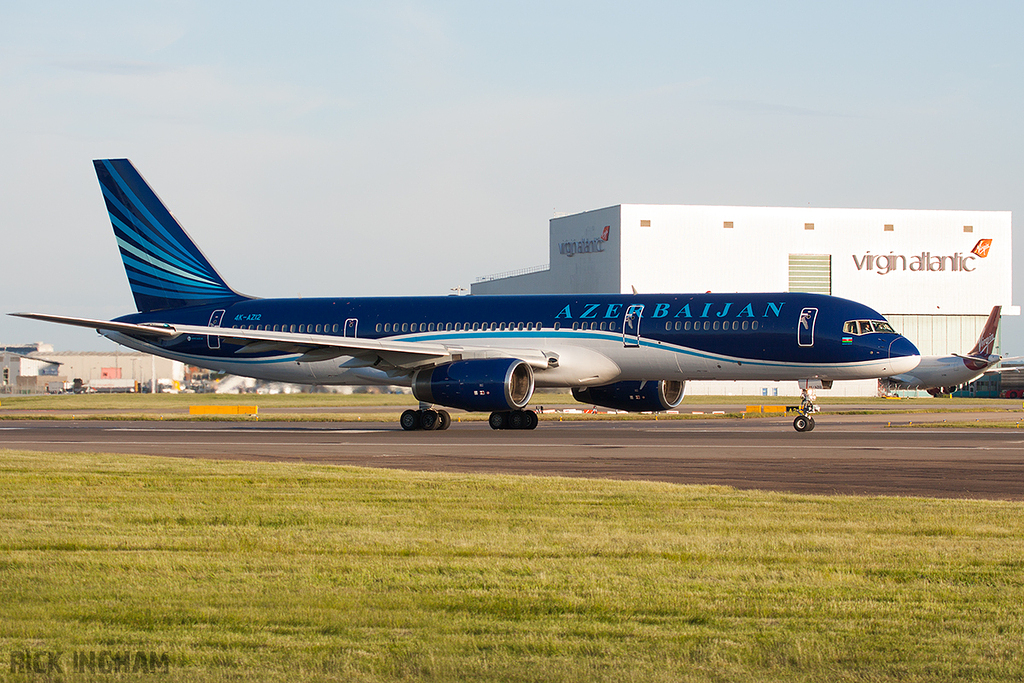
[{"x": 935, "y": 275}]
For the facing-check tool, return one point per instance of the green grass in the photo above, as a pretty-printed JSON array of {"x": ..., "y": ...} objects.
[
  {"x": 255, "y": 571},
  {"x": 975, "y": 424}
]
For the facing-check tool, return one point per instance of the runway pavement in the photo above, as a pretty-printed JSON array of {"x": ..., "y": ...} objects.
[{"x": 844, "y": 455}]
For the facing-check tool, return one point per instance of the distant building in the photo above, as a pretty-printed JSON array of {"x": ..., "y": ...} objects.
[
  {"x": 20, "y": 374},
  {"x": 41, "y": 369},
  {"x": 934, "y": 274}
]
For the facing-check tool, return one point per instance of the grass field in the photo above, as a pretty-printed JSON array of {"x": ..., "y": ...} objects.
[{"x": 252, "y": 572}]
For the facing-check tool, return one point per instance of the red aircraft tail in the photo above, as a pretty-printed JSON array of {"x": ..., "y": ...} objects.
[{"x": 987, "y": 340}]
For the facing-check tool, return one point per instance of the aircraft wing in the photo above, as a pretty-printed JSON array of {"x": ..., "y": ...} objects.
[{"x": 397, "y": 356}]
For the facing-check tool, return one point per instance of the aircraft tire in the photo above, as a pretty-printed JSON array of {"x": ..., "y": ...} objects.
[
  {"x": 802, "y": 423},
  {"x": 410, "y": 420},
  {"x": 810, "y": 424},
  {"x": 429, "y": 420},
  {"x": 532, "y": 419},
  {"x": 444, "y": 420},
  {"x": 517, "y": 420},
  {"x": 498, "y": 420}
]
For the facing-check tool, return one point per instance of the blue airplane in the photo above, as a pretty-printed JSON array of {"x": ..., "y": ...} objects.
[{"x": 479, "y": 353}]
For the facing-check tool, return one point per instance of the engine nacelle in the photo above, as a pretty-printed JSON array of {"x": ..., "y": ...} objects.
[
  {"x": 485, "y": 384},
  {"x": 634, "y": 396}
]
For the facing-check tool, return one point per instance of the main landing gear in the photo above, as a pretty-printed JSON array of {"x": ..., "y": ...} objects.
[
  {"x": 428, "y": 420},
  {"x": 513, "y": 419},
  {"x": 804, "y": 422}
]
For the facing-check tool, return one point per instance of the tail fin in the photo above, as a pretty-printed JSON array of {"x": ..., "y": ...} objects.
[
  {"x": 987, "y": 340},
  {"x": 164, "y": 266}
]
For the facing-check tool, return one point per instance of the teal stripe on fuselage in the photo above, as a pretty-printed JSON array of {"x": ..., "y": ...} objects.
[{"x": 494, "y": 341}]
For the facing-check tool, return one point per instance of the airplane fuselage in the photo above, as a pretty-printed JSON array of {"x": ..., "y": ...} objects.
[
  {"x": 589, "y": 340},
  {"x": 940, "y": 371}
]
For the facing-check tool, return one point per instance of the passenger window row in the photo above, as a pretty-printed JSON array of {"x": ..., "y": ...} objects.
[
  {"x": 611, "y": 327},
  {"x": 484, "y": 327},
  {"x": 457, "y": 327},
  {"x": 301, "y": 329},
  {"x": 717, "y": 325},
  {"x": 395, "y": 328}
]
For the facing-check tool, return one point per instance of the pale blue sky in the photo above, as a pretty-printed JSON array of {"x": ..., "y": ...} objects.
[{"x": 329, "y": 148}]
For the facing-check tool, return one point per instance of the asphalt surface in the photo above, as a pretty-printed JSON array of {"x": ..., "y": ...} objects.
[{"x": 861, "y": 455}]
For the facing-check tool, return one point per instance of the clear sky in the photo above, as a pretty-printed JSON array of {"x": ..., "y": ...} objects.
[{"x": 337, "y": 148}]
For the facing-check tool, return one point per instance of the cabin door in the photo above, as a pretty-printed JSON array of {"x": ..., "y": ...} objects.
[
  {"x": 350, "y": 327},
  {"x": 213, "y": 341},
  {"x": 805, "y": 327},
  {"x": 631, "y": 325}
]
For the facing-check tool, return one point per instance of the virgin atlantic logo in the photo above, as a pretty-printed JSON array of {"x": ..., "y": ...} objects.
[
  {"x": 585, "y": 246},
  {"x": 925, "y": 262}
]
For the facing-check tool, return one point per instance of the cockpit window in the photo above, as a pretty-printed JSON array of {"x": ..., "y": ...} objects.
[
  {"x": 867, "y": 327},
  {"x": 882, "y": 326}
]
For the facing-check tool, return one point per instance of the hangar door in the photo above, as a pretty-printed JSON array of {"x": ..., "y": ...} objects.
[{"x": 811, "y": 273}]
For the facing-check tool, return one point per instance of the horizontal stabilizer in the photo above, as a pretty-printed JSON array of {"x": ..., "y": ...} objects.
[
  {"x": 978, "y": 359},
  {"x": 158, "y": 330}
]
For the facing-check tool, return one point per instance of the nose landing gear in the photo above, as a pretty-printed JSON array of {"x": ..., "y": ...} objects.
[{"x": 804, "y": 422}]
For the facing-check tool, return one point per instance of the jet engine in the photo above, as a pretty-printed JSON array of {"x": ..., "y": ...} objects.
[
  {"x": 634, "y": 396},
  {"x": 485, "y": 384}
]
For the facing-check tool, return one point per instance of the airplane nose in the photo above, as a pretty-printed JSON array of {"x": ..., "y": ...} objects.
[
  {"x": 901, "y": 347},
  {"x": 903, "y": 356}
]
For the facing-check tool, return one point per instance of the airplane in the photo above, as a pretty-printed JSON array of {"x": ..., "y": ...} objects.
[
  {"x": 943, "y": 374},
  {"x": 478, "y": 353}
]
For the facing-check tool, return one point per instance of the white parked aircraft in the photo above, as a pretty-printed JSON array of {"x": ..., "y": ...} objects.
[{"x": 942, "y": 374}]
